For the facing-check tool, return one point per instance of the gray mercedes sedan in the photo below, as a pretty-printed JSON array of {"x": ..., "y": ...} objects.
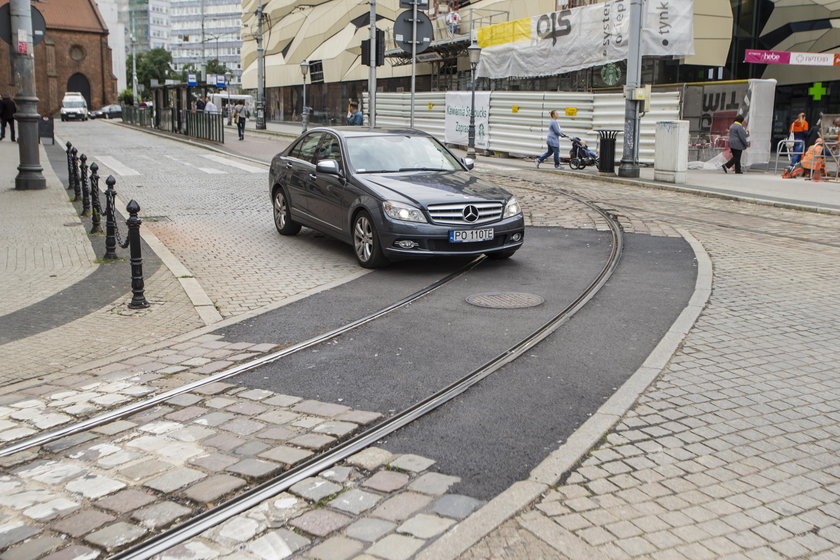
[{"x": 391, "y": 194}]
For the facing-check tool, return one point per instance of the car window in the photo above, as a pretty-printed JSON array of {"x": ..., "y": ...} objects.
[
  {"x": 394, "y": 153},
  {"x": 305, "y": 149},
  {"x": 330, "y": 148}
]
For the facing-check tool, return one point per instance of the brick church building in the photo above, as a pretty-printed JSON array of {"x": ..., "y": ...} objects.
[{"x": 74, "y": 56}]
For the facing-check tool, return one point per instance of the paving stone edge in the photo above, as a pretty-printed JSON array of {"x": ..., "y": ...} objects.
[{"x": 549, "y": 472}]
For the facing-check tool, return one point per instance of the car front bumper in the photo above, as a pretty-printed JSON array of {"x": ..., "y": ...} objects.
[{"x": 433, "y": 239}]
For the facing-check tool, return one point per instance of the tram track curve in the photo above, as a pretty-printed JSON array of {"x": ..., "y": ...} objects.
[
  {"x": 241, "y": 368},
  {"x": 254, "y": 496}
]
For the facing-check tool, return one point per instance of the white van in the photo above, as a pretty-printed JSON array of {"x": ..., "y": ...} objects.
[
  {"x": 221, "y": 100},
  {"x": 74, "y": 107}
]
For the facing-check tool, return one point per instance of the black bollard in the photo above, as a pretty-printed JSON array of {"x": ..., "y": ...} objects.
[
  {"x": 76, "y": 186},
  {"x": 94, "y": 199},
  {"x": 110, "y": 220},
  {"x": 138, "y": 300},
  {"x": 83, "y": 169},
  {"x": 69, "y": 166}
]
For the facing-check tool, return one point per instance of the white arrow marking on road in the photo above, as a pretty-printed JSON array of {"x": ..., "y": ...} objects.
[
  {"x": 236, "y": 164},
  {"x": 114, "y": 165},
  {"x": 208, "y": 170}
]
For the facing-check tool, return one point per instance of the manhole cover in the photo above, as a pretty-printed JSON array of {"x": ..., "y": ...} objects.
[{"x": 505, "y": 300}]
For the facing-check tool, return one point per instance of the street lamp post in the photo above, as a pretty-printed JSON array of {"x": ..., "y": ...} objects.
[
  {"x": 475, "y": 54},
  {"x": 304, "y": 69}
]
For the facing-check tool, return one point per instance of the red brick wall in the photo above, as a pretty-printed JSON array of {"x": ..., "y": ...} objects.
[{"x": 54, "y": 66}]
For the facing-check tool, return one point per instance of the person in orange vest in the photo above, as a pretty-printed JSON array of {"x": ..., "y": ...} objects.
[
  {"x": 814, "y": 160},
  {"x": 799, "y": 129}
]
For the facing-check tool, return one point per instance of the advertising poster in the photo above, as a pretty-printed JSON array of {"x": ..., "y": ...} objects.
[
  {"x": 582, "y": 37},
  {"x": 458, "y": 118}
]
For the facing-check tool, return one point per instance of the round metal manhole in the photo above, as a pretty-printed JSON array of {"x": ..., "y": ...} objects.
[{"x": 505, "y": 300}]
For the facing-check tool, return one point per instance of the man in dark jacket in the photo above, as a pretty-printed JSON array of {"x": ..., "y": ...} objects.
[
  {"x": 7, "y": 116},
  {"x": 738, "y": 142}
]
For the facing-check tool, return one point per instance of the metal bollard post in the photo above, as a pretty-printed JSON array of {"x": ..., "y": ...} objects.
[
  {"x": 138, "y": 300},
  {"x": 69, "y": 166},
  {"x": 110, "y": 220},
  {"x": 83, "y": 168},
  {"x": 94, "y": 199},
  {"x": 76, "y": 187}
]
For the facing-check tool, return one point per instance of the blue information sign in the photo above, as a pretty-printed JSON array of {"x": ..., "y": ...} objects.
[{"x": 192, "y": 80}]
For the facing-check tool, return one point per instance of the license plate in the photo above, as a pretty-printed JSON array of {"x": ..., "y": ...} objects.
[{"x": 470, "y": 235}]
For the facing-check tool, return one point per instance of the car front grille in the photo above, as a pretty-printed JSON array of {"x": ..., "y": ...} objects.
[{"x": 463, "y": 213}]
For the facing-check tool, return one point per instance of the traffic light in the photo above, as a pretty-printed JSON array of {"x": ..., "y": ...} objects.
[{"x": 380, "y": 49}]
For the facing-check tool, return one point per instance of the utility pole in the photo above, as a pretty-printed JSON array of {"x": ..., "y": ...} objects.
[
  {"x": 30, "y": 173},
  {"x": 630, "y": 153},
  {"x": 134, "y": 92},
  {"x": 372, "y": 70},
  {"x": 260, "y": 122},
  {"x": 413, "y": 57},
  {"x": 203, "y": 56}
]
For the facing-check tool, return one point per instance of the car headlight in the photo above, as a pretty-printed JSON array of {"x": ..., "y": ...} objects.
[
  {"x": 403, "y": 212},
  {"x": 511, "y": 208}
]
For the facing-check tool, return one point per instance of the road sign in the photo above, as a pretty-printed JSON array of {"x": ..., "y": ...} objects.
[
  {"x": 220, "y": 80},
  {"x": 192, "y": 80},
  {"x": 403, "y": 35},
  {"x": 39, "y": 27},
  {"x": 421, "y": 4}
]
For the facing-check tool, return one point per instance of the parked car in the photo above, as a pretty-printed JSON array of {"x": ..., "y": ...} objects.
[
  {"x": 107, "y": 112},
  {"x": 74, "y": 107},
  {"x": 391, "y": 194}
]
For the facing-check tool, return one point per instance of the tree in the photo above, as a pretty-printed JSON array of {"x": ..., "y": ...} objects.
[
  {"x": 155, "y": 64},
  {"x": 216, "y": 67}
]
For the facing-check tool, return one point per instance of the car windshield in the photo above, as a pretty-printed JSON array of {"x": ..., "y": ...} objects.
[
  {"x": 74, "y": 104},
  {"x": 395, "y": 153}
]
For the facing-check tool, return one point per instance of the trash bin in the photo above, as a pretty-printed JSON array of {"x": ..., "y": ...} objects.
[{"x": 606, "y": 150}]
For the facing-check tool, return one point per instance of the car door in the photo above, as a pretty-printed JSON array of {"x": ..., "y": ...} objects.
[
  {"x": 330, "y": 195},
  {"x": 299, "y": 165}
]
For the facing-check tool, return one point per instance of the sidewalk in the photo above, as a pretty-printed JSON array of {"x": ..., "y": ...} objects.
[{"x": 764, "y": 187}]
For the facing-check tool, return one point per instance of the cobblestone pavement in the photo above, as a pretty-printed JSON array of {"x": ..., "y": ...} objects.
[
  {"x": 732, "y": 453},
  {"x": 38, "y": 262}
]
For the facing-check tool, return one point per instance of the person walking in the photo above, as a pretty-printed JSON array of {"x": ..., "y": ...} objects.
[
  {"x": 7, "y": 116},
  {"x": 242, "y": 114},
  {"x": 552, "y": 139},
  {"x": 738, "y": 142},
  {"x": 799, "y": 129},
  {"x": 354, "y": 115}
]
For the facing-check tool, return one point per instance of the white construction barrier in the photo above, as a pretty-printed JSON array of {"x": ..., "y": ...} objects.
[{"x": 519, "y": 119}]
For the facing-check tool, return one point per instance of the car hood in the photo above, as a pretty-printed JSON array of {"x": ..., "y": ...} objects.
[{"x": 433, "y": 187}]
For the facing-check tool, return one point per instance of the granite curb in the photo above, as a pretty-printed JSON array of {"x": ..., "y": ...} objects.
[{"x": 548, "y": 473}]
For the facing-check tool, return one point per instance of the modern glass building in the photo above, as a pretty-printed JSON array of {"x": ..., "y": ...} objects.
[{"x": 201, "y": 30}]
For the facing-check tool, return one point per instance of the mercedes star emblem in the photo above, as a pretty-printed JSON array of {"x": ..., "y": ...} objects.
[{"x": 470, "y": 213}]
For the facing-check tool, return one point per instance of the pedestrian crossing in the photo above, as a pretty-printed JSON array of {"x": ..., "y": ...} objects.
[{"x": 220, "y": 165}]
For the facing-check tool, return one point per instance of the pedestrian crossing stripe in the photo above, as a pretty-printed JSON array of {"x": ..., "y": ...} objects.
[
  {"x": 116, "y": 166},
  {"x": 208, "y": 170},
  {"x": 236, "y": 164}
]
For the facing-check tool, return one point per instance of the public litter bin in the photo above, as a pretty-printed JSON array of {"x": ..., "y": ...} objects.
[{"x": 606, "y": 150}]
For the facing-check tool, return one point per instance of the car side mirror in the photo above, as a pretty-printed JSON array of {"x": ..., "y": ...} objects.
[
  {"x": 328, "y": 166},
  {"x": 469, "y": 163}
]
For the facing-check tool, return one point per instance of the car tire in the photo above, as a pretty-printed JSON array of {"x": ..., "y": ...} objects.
[
  {"x": 500, "y": 255},
  {"x": 283, "y": 215},
  {"x": 366, "y": 242}
]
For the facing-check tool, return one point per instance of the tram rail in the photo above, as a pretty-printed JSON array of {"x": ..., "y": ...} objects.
[{"x": 270, "y": 488}]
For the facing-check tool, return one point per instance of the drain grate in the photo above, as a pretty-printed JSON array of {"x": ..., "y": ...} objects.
[{"x": 505, "y": 300}]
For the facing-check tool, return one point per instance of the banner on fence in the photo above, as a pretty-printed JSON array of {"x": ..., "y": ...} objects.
[
  {"x": 583, "y": 37},
  {"x": 458, "y": 118}
]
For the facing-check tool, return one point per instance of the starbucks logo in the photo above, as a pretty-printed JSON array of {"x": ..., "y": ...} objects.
[{"x": 611, "y": 74}]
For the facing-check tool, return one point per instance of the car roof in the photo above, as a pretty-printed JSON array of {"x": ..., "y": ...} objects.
[{"x": 358, "y": 131}]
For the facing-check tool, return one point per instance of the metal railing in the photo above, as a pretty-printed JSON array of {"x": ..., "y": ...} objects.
[
  {"x": 195, "y": 124},
  {"x": 208, "y": 126}
]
